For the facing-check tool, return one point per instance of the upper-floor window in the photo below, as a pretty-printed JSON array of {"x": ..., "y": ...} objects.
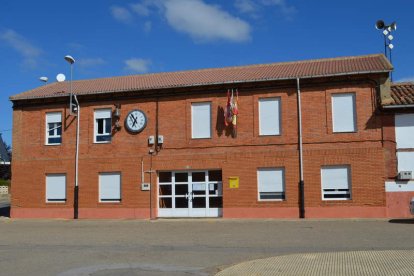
[
  {"x": 271, "y": 183},
  {"x": 269, "y": 116},
  {"x": 404, "y": 131},
  {"x": 53, "y": 128},
  {"x": 336, "y": 182},
  {"x": 343, "y": 112},
  {"x": 103, "y": 126},
  {"x": 201, "y": 120}
]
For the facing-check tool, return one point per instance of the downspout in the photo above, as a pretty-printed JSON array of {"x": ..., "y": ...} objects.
[
  {"x": 301, "y": 182},
  {"x": 76, "y": 191}
]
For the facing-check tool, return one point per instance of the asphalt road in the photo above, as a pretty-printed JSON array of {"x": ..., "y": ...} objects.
[{"x": 180, "y": 247}]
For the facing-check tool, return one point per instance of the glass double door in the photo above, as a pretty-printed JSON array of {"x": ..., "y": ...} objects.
[{"x": 190, "y": 193}]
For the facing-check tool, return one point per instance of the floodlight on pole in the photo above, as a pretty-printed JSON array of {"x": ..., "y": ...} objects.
[{"x": 388, "y": 37}]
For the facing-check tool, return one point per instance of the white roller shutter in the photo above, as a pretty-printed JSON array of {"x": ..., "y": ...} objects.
[
  {"x": 201, "y": 120},
  {"x": 343, "y": 112},
  {"x": 110, "y": 187},
  {"x": 55, "y": 188},
  {"x": 269, "y": 116}
]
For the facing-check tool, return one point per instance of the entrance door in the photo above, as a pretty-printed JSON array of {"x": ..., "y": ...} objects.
[{"x": 190, "y": 194}]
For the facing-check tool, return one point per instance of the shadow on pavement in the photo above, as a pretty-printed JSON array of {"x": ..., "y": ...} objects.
[{"x": 403, "y": 221}]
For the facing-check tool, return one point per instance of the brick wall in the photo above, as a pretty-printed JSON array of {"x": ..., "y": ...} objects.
[{"x": 240, "y": 156}]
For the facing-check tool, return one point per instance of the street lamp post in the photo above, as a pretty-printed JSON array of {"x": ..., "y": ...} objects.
[{"x": 75, "y": 107}]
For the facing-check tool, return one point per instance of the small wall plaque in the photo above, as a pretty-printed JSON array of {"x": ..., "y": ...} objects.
[{"x": 234, "y": 182}]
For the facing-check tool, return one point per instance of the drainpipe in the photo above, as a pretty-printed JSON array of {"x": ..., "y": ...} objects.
[
  {"x": 301, "y": 182},
  {"x": 76, "y": 191}
]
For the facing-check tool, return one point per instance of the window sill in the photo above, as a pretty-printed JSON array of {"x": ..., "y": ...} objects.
[
  {"x": 271, "y": 200},
  {"x": 110, "y": 202},
  {"x": 200, "y": 138},
  {"x": 270, "y": 135},
  {"x": 56, "y": 202},
  {"x": 334, "y": 200},
  {"x": 53, "y": 144},
  {"x": 344, "y": 132}
]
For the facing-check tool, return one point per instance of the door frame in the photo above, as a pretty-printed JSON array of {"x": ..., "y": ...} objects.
[{"x": 190, "y": 211}]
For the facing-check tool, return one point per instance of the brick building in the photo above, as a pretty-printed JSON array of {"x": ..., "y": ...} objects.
[
  {"x": 399, "y": 139},
  {"x": 169, "y": 130}
]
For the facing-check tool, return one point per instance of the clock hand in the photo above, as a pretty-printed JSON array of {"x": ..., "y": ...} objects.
[{"x": 134, "y": 120}]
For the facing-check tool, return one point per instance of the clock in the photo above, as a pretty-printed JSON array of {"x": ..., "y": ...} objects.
[{"x": 135, "y": 121}]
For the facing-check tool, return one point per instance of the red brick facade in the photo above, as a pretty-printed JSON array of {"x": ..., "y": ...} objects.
[{"x": 367, "y": 151}]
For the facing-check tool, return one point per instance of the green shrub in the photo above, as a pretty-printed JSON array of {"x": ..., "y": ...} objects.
[{"x": 4, "y": 182}]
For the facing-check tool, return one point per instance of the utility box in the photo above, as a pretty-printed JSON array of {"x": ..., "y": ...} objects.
[
  {"x": 151, "y": 140},
  {"x": 145, "y": 186},
  {"x": 405, "y": 175},
  {"x": 160, "y": 139}
]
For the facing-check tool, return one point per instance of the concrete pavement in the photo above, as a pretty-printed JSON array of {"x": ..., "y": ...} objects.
[
  {"x": 181, "y": 246},
  {"x": 373, "y": 263}
]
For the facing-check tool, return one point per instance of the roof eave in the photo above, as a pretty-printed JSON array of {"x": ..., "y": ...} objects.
[
  {"x": 398, "y": 106},
  {"x": 212, "y": 84}
]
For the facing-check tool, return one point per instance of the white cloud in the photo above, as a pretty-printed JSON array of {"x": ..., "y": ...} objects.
[
  {"x": 204, "y": 22},
  {"x": 20, "y": 44},
  {"x": 91, "y": 62},
  {"x": 121, "y": 14},
  {"x": 407, "y": 79},
  {"x": 141, "y": 9},
  {"x": 138, "y": 65},
  {"x": 246, "y": 6},
  {"x": 286, "y": 9}
]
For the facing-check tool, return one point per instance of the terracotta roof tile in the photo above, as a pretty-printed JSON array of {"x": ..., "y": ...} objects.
[
  {"x": 402, "y": 93},
  {"x": 251, "y": 73}
]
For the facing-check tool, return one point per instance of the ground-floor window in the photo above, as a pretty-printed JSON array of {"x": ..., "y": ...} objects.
[
  {"x": 271, "y": 183},
  {"x": 336, "y": 182},
  {"x": 55, "y": 188},
  {"x": 190, "y": 193},
  {"x": 110, "y": 187}
]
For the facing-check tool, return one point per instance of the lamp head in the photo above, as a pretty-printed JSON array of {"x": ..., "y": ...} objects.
[
  {"x": 379, "y": 25},
  {"x": 43, "y": 79},
  {"x": 70, "y": 59}
]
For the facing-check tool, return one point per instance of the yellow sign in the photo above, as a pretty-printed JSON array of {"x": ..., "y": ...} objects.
[{"x": 234, "y": 182}]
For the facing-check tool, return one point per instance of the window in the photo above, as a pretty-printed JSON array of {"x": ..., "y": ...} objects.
[
  {"x": 405, "y": 161},
  {"x": 53, "y": 128},
  {"x": 269, "y": 116},
  {"x": 201, "y": 120},
  {"x": 103, "y": 125},
  {"x": 404, "y": 130},
  {"x": 55, "y": 188},
  {"x": 343, "y": 112},
  {"x": 109, "y": 187},
  {"x": 336, "y": 183},
  {"x": 271, "y": 183}
]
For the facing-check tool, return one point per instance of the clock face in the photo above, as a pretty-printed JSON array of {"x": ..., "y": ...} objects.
[{"x": 135, "y": 121}]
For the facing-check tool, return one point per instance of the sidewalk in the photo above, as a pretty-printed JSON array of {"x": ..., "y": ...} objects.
[{"x": 392, "y": 262}]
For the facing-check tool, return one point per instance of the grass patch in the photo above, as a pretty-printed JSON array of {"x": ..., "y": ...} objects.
[{"x": 4, "y": 182}]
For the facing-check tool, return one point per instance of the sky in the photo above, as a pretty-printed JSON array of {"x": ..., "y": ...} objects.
[{"x": 114, "y": 38}]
